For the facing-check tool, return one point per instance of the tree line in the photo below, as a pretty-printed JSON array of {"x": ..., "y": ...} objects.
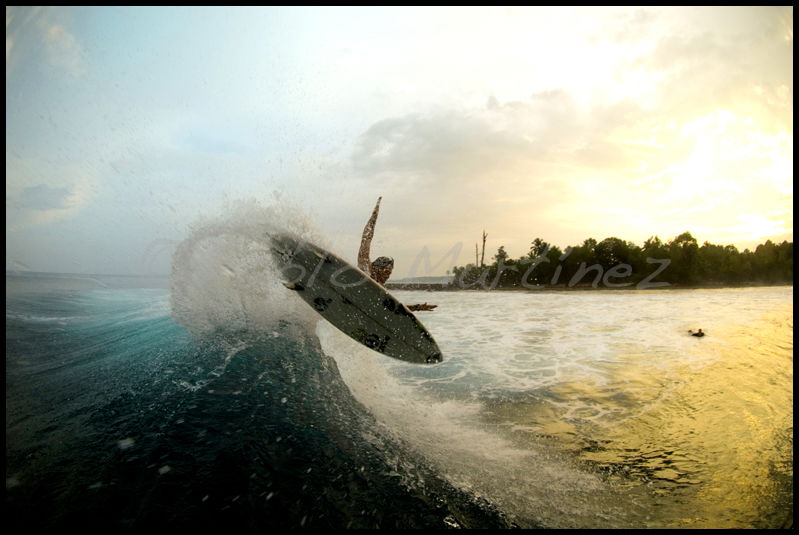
[{"x": 615, "y": 263}]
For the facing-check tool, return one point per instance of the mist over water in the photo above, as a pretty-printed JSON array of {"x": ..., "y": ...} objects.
[
  {"x": 223, "y": 275},
  {"x": 226, "y": 400}
]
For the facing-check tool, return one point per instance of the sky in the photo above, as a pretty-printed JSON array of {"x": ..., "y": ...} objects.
[{"x": 126, "y": 127}]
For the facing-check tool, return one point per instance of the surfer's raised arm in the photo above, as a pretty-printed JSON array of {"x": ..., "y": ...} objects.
[
  {"x": 379, "y": 270},
  {"x": 366, "y": 239}
]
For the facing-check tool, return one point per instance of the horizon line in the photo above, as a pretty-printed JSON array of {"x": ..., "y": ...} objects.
[{"x": 28, "y": 272}]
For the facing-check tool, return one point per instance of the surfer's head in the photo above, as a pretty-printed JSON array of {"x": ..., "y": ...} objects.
[{"x": 382, "y": 268}]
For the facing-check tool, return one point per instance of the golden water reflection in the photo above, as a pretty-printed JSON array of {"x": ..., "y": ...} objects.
[{"x": 708, "y": 435}]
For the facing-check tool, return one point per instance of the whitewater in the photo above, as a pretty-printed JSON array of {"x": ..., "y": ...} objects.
[{"x": 217, "y": 398}]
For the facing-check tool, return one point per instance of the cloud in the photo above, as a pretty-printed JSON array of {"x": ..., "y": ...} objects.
[
  {"x": 498, "y": 141},
  {"x": 721, "y": 58},
  {"x": 64, "y": 51},
  {"x": 634, "y": 25},
  {"x": 37, "y": 35},
  {"x": 39, "y": 192},
  {"x": 786, "y": 23},
  {"x": 43, "y": 197},
  {"x": 564, "y": 168},
  {"x": 18, "y": 20},
  {"x": 513, "y": 167}
]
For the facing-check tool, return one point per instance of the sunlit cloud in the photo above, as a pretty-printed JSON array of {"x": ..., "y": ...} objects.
[
  {"x": 786, "y": 20},
  {"x": 750, "y": 229},
  {"x": 548, "y": 167}
]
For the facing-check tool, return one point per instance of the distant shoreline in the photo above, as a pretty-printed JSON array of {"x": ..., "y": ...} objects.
[{"x": 576, "y": 288}]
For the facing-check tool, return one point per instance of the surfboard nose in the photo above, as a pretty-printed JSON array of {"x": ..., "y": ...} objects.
[{"x": 433, "y": 359}]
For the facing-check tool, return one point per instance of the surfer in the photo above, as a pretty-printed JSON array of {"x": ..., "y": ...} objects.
[
  {"x": 380, "y": 270},
  {"x": 698, "y": 333}
]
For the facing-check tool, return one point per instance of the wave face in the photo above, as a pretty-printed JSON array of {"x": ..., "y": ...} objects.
[
  {"x": 219, "y": 399},
  {"x": 210, "y": 405}
]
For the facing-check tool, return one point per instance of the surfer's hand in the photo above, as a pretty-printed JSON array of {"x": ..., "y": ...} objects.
[{"x": 423, "y": 306}]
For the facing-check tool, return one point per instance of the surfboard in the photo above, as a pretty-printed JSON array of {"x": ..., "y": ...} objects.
[{"x": 352, "y": 301}]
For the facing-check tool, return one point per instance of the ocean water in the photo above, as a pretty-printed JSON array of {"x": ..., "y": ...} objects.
[{"x": 216, "y": 398}]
